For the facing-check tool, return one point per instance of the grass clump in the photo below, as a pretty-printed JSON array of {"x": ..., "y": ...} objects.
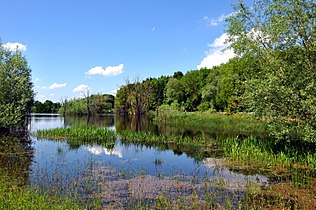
[
  {"x": 26, "y": 198},
  {"x": 147, "y": 138},
  {"x": 270, "y": 155},
  {"x": 80, "y": 135}
]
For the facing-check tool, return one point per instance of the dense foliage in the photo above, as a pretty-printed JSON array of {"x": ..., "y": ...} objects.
[
  {"x": 218, "y": 89},
  {"x": 282, "y": 36},
  {"x": 46, "y": 107},
  {"x": 90, "y": 105},
  {"x": 16, "y": 94},
  {"x": 273, "y": 73}
]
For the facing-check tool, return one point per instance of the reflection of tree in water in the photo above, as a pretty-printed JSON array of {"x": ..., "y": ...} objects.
[
  {"x": 16, "y": 156},
  {"x": 148, "y": 125},
  {"x": 135, "y": 123},
  {"x": 97, "y": 121}
]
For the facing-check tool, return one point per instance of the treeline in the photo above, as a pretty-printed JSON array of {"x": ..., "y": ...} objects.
[
  {"x": 273, "y": 74},
  {"x": 218, "y": 89},
  {"x": 16, "y": 93},
  {"x": 46, "y": 107},
  {"x": 90, "y": 105}
]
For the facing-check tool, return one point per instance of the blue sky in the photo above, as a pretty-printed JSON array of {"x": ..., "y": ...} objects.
[{"x": 74, "y": 45}]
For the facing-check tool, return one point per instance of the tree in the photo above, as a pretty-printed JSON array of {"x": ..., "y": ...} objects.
[
  {"x": 46, "y": 107},
  {"x": 282, "y": 35},
  {"x": 16, "y": 93},
  {"x": 174, "y": 91}
]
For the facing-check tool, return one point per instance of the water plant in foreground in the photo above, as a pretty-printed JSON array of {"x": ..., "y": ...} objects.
[
  {"x": 268, "y": 154},
  {"x": 80, "y": 135}
]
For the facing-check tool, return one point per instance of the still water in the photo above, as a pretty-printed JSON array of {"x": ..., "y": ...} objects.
[{"x": 53, "y": 158}]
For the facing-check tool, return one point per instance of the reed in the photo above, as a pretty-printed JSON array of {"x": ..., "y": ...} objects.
[
  {"x": 148, "y": 138},
  {"x": 77, "y": 136},
  {"x": 268, "y": 154}
]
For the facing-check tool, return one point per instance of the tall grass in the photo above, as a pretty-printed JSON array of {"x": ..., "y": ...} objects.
[
  {"x": 236, "y": 124},
  {"x": 268, "y": 154},
  {"x": 147, "y": 138},
  {"x": 80, "y": 135}
]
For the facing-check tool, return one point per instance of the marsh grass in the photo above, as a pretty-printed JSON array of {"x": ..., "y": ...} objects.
[
  {"x": 13, "y": 196},
  {"x": 270, "y": 155},
  {"x": 235, "y": 124},
  {"x": 145, "y": 138},
  {"x": 77, "y": 136}
]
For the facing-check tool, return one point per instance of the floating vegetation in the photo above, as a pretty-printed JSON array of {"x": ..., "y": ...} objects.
[{"x": 77, "y": 136}]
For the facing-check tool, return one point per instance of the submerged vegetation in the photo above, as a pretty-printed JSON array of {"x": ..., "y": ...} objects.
[{"x": 17, "y": 197}]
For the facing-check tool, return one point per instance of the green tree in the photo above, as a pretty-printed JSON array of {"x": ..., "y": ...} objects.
[
  {"x": 16, "y": 94},
  {"x": 282, "y": 35},
  {"x": 174, "y": 91}
]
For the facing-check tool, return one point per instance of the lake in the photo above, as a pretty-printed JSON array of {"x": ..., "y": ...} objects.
[{"x": 128, "y": 171}]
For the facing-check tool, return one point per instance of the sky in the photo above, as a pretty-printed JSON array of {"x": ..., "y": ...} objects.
[{"x": 72, "y": 46}]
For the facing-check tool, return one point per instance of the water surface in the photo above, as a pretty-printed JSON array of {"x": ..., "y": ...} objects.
[{"x": 51, "y": 156}]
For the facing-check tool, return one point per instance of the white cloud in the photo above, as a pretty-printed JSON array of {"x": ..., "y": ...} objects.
[
  {"x": 81, "y": 88},
  {"x": 217, "y": 54},
  {"x": 55, "y": 86},
  {"x": 52, "y": 94},
  {"x": 115, "y": 91},
  {"x": 97, "y": 150},
  {"x": 40, "y": 97},
  {"x": 14, "y": 46},
  {"x": 153, "y": 29},
  {"x": 216, "y": 21},
  {"x": 108, "y": 71}
]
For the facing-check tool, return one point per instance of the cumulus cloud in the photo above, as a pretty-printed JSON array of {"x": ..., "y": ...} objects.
[
  {"x": 81, "y": 88},
  {"x": 217, "y": 20},
  {"x": 97, "y": 150},
  {"x": 55, "y": 85},
  {"x": 217, "y": 54},
  {"x": 115, "y": 91},
  {"x": 40, "y": 97},
  {"x": 108, "y": 71},
  {"x": 14, "y": 46}
]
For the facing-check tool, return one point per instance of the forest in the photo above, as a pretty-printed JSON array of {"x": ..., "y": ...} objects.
[{"x": 272, "y": 76}]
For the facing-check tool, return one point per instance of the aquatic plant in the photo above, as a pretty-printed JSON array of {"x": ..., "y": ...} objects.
[
  {"x": 145, "y": 138},
  {"x": 77, "y": 136},
  {"x": 269, "y": 154}
]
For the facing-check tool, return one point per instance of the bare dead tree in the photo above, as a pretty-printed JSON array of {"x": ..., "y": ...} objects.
[
  {"x": 64, "y": 103},
  {"x": 88, "y": 102}
]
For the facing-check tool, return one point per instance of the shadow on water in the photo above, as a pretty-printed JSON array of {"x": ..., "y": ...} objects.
[
  {"x": 149, "y": 125},
  {"x": 16, "y": 156},
  {"x": 96, "y": 121}
]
